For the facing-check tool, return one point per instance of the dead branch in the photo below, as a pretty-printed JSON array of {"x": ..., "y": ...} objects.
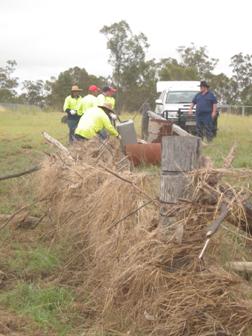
[
  {"x": 103, "y": 147},
  {"x": 58, "y": 144},
  {"x": 178, "y": 130},
  {"x": 230, "y": 157},
  {"x": 28, "y": 219},
  {"x": 215, "y": 226},
  {"x": 129, "y": 214},
  {"x": 122, "y": 160},
  {"x": 131, "y": 183},
  {"x": 240, "y": 266},
  {"x": 155, "y": 116},
  {"x": 217, "y": 222},
  {"x": 25, "y": 172},
  {"x": 11, "y": 217}
]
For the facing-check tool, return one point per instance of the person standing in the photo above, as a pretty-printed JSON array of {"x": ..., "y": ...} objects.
[
  {"x": 73, "y": 108},
  {"x": 106, "y": 98},
  {"x": 93, "y": 121},
  {"x": 110, "y": 98},
  {"x": 90, "y": 100},
  {"x": 206, "y": 111},
  {"x": 102, "y": 98}
]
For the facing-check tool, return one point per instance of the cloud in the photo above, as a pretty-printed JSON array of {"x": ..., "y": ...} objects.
[{"x": 47, "y": 36}]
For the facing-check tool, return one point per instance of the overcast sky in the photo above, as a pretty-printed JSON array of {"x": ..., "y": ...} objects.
[{"x": 49, "y": 36}]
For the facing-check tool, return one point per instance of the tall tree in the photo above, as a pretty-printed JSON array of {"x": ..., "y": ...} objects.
[
  {"x": 246, "y": 96},
  {"x": 127, "y": 57},
  {"x": 170, "y": 69},
  {"x": 8, "y": 82},
  {"x": 242, "y": 75},
  {"x": 34, "y": 93},
  {"x": 61, "y": 87},
  {"x": 224, "y": 87},
  {"x": 142, "y": 89},
  {"x": 117, "y": 36},
  {"x": 197, "y": 57}
]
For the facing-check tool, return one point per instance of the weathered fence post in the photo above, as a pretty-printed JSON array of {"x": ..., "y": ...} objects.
[{"x": 180, "y": 155}]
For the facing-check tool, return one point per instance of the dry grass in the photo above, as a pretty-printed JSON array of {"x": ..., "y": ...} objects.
[{"x": 139, "y": 276}]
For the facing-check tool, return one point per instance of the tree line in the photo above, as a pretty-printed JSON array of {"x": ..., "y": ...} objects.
[{"x": 133, "y": 74}]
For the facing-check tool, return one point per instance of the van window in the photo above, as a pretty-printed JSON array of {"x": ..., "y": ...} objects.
[{"x": 177, "y": 97}]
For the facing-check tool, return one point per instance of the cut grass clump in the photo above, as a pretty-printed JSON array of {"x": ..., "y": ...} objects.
[
  {"x": 46, "y": 306},
  {"x": 39, "y": 260}
]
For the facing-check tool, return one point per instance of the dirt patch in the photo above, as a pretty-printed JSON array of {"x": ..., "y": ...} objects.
[{"x": 13, "y": 325}]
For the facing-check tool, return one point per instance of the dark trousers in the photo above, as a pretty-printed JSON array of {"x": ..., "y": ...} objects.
[
  {"x": 205, "y": 126},
  {"x": 103, "y": 134},
  {"x": 78, "y": 137},
  {"x": 72, "y": 124}
]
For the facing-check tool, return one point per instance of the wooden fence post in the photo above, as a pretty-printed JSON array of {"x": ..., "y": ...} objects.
[{"x": 179, "y": 156}]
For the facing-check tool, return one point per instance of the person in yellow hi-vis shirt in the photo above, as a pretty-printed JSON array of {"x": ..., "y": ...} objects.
[
  {"x": 102, "y": 97},
  {"x": 73, "y": 108},
  {"x": 93, "y": 121},
  {"x": 110, "y": 99},
  {"x": 90, "y": 100}
]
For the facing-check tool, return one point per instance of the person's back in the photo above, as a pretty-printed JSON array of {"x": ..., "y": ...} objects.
[
  {"x": 90, "y": 100},
  {"x": 92, "y": 122},
  {"x": 101, "y": 99},
  {"x": 111, "y": 101}
]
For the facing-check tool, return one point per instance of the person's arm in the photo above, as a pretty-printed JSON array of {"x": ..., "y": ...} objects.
[
  {"x": 80, "y": 108},
  {"x": 214, "y": 111},
  {"x": 66, "y": 105},
  {"x": 109, "y": 127},
  {"x": 67, "y": 108},
  {"x": 192, "y": 105},
  {"x": 214, "y": 108},
  {"x": 111, "y": 101},
  {"x": 191, "y": 108}
]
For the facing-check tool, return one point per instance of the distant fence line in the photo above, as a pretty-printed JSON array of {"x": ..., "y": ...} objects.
[
  {"x": 244, "y": 110},
  {"x": 19, "y": 107}
]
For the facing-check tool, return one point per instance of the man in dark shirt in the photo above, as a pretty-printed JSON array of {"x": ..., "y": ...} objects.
[{"x": 206, "y": 111}]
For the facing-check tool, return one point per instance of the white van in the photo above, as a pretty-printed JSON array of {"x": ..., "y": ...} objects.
[{"x": 174, "y": 101}]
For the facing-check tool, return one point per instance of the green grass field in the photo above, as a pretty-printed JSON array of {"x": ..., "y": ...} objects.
[
  {"x": 30, "y": 262},
  {"x": 232, "y": 130},
  {"x": 21, "y": 142},
  {"x": 21, "y": 139},
  {"x": 22, "y": 146}
]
